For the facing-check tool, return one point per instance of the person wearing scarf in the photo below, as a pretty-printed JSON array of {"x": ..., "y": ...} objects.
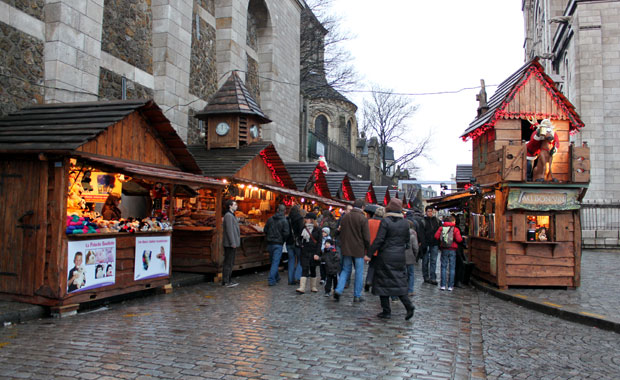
[
  {"x": 390, "y": 269},
  {"x": 310, "y": 252}
]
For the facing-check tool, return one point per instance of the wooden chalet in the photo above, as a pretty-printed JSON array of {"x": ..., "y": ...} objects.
[
  {"x": 524, "y": 233},
  {"x": 46, "y": 151},
  {"x": 382, "y": 194},
  {"x": 339, "y": 185},
  {"x": 309, "y": 177},
  {"x": 364, "y": 190}
]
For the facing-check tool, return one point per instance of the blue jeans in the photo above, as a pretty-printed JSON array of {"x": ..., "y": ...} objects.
[
  {"x": 410, "y": 278},
  {"x": 430, "y": 258},
  {"x": 275, "y": 254},
  {"x": 448, "y": 257},
  {"x": 294, "y": 263},
  {"x": 347, "y": 267}
]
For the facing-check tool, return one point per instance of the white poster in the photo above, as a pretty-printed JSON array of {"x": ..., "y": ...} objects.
[
  {"x": 152, "y": 257},
  {"x": 91, "y": 264}
]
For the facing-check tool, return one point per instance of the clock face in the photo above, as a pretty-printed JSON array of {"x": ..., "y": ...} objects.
[
  {"x": 254, "y": 131},
  {"x": 222, "y": 128}
]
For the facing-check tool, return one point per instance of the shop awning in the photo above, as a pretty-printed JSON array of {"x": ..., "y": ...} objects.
[
  {"x": 148, "y": 172},
  {"x": 293, "y": 193},
  {"x": 308, "y": 175},
  {"x": 451, "y": 200},
  {"x": 339, "y": 185},
  {"x": 382, "y": 195}
]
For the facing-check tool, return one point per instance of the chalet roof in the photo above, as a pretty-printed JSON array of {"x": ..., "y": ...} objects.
[
  {"x": 225, "y": 162},
  {"x": 380, "y": 192},
  {"x": 506, "y": 92},
  {"x": 360, "y": 188},
  {"x": 64, "y": 127},
  {"x": 303, "y": 175},
  {"x": 339, "y": 185},
  {"x": 233, "y": 98},
  {"x": 463, "y": 173},
  {"x": 393, "y": 194}
]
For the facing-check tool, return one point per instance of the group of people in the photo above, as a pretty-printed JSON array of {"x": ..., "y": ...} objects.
[{"x": 389, "y": 240}]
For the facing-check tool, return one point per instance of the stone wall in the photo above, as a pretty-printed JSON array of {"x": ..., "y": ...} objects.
[
  {"x": 33, "y": 8},
  {"x": 252, "y": 80},
  {"x": 251, "y": 38},
  {"x": 21, "y": 70},
  {"x": 203, "y": 73},
  {"x": 193, "y": 130},
  {"x": 208, "y": 5},
  {"x": 127, "y": 32},
  {"x": 111, "y": 87}
]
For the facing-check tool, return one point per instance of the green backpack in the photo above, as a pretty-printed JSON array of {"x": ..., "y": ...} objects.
[{"x": 447, "y": 237}]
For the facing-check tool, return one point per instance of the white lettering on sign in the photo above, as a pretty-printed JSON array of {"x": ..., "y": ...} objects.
[{"x": 542, "y": 198}]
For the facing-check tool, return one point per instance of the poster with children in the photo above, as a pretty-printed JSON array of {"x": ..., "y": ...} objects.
[
  {"x": 152, "y": 257},
  {"x": 91, "y": 264}
]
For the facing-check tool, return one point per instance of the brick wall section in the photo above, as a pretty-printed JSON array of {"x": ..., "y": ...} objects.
[
  {"x": 203, "y": 74},
  {"x": 21, "y": 69},
  {"x": 127, "y": 32},
  {"x": 252, "y": 80},
  {"x": 34, "y": 8},
  {"x": 111, "y": 87}
]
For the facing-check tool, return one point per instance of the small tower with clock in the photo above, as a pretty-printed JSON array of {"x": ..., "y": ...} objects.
[{"x": 232, "y": 116}]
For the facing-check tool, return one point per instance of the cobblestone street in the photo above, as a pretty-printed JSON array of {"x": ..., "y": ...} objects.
[{"x": 255, "y": 331}]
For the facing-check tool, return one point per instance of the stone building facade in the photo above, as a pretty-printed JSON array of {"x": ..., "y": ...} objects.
[
  {"x": 175, "y": 51},
  {"x": 579, "y": 41}
]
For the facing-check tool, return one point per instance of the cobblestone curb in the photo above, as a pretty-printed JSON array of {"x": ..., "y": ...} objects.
[{"x": 572, "y": 314}]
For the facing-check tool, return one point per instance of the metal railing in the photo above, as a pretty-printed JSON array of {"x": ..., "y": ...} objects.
[
  {"x": 600, "y": 216},
  {"x": 338, "y": 155}
]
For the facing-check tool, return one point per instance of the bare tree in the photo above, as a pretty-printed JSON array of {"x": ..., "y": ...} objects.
[
  {"x": 386, "y": 116},
  {"x": 324, "y": 61}
]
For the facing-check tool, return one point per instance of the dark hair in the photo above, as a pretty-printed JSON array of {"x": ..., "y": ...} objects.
[
  {"x": 429, "y": 208},
  {"x": 359, "y": 203},
  {"x": 228, "y": 203},
  {"x": 450, "y": 218},
  {"x": 281, "y": 207},
  {"x": 108, "y": 267},
  {"x": 78, "y": 253},
  {"x": 111, "y": 200}
]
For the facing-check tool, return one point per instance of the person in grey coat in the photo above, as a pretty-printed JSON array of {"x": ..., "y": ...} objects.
[
  {"x": 390, "y": 278},
  {"x": 232, "y": 240}
]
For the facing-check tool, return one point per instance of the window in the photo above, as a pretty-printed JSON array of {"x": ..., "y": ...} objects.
[
  {"x": 320, "y": 126},
  {"x": 538, "y": 228}
]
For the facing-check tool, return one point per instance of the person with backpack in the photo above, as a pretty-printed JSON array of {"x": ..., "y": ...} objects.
[{"x": 448, "y": 236}]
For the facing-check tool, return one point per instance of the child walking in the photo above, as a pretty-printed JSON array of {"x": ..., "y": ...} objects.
[{"x": 331, "y": 258}]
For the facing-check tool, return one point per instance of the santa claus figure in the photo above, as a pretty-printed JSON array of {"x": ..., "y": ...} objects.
[{"x": 545, "y": 141}]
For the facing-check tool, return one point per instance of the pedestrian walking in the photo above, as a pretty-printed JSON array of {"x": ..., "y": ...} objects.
[
  {"x": 276, "y": 233},
  {"x": 232, "y": 240},
  {"x": 390, "y": 277},
  {"x": 331, "y": 258},
  {"x": 373, "y": 228},
  {"x": 448, "y": 236},
  {"x": 310, "y": 252},
  {"x": 293, "y": 244},
  {"x": 324, "y": 236},
  {"x": 429, "y": 260},
  {"x": 354, "y": 240}
]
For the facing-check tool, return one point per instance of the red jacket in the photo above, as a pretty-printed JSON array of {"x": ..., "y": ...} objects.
[{"x": 457, "y": 235}]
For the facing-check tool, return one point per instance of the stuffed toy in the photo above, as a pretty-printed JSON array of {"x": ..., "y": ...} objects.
[{"x": 543, "y": 144}]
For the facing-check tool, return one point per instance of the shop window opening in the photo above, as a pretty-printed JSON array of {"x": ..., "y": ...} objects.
[{"x": 538, "y": 228}]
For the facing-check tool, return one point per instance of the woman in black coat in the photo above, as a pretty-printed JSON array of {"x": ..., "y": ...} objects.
[{"x": 390, "y": 277}]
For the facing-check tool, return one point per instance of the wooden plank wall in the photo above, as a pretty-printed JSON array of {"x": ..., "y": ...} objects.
[
  {"x": 131, "y": 139},
  {"x": 480, "y": 256},
  {"x": 542, "y": 264},
  {"x": 124, "y": 282},
  {"x": 534, "y": 97},
  {"x": 252, "y": 253},
  {"x": 256, "y": 170},
  {"x": 191, "y": 252}
]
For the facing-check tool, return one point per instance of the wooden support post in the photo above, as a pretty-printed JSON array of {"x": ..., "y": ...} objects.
[
  {"x": 64, "y": 310},
  {"x": 500, "y": 236}
]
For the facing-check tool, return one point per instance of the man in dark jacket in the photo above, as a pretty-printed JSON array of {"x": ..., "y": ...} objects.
[
  {"x": 354, "y": 243},
  {"x": 429, "y": 260},
  {"x": 232, "y": 239},
  {"x": 276, "y": 234}
]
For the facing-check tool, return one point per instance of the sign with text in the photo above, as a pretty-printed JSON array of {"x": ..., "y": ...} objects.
[
  {"x": 543, "y": 199},
  {"x": 152, "y": 257},
  {"x": 91, "y": 264}
]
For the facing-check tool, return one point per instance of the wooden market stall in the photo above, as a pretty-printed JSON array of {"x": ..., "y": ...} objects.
[
  {"x": 382, "y": 195},
  {"x": 364, "y": 190},
  {"x": 526, "y": 231},
  {"x": 60, "y": 162}
]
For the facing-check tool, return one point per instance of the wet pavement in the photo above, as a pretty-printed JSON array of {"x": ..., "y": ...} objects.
[{"x": 254, "y": 331}]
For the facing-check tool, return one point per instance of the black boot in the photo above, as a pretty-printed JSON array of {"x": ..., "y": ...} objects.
[
  {"x": 385, "y": 305},
  {"x": 408, "y": 306}
]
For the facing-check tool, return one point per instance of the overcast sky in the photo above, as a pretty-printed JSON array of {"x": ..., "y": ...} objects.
[{"x": 413, "y": 46}]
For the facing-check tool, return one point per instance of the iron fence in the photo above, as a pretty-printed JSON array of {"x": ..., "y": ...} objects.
[{"x": 600, "y": 216}]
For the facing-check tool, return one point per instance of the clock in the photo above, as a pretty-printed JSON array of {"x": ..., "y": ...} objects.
[
  {"x": 254, "y": 131},
  {"x": 222, "y": 128}
]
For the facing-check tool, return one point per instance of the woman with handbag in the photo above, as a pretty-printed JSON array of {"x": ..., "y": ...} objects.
[{"x": 310, "y": 252}]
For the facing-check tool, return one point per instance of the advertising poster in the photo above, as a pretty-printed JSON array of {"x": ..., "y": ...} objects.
[
  {"x": 98, "y": 185},
  {"x": 91, "y": 264},
  {"x": 152, "y": 257}
]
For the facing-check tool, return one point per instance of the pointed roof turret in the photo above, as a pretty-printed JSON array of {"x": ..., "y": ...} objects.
[{"x": 233, "y": 98}]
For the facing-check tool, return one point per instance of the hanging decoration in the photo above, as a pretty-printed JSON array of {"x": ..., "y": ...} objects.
[
  {"x": 272, "y": 169},
  {"x": 561, "y": 101}
]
